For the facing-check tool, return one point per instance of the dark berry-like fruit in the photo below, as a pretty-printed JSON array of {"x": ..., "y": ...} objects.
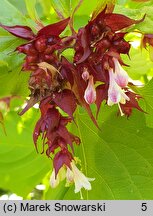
[
  {"x": 52, "y": 40},
  {"x": 27, "y": 49},
  {"x": 49, "y": 50},
  {"x": 40, "y": 44},
  {"x": 101, "y": 24},
  {"x": 31, "y": 59},
  {"x": 104, "y": 44},
  {"x": 122, "y": 46},
  {"x": 95, "y": 30},
  {"x": 47, "y": 58}
]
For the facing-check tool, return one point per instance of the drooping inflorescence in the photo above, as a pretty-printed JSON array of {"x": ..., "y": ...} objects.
[{"x": 95, "y": 75}]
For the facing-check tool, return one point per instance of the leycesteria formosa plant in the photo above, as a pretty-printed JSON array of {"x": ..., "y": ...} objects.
[{"x": 95, "y": 75}]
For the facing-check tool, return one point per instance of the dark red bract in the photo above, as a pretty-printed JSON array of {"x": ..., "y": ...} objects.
[
  {"x": 97, "y": 45},
  {"x": 52, "y": 128}
]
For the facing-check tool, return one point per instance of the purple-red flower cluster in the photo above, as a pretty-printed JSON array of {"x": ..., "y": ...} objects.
[
  {"x": 94, "y": 76},
  {"x": 98, "y": 50}
]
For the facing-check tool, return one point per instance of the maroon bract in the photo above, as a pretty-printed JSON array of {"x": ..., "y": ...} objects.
[
  {"x": 94, "y": 76},
  {"x": 62, "y": 158},
  {"x": 23, "y": 32},
  {"x": 54, "y": 29},
  {"x": 52, "y": 128},
  {"x": 147, "y": 39},
  {"x": 132, "y": 103},
  {"x": 98, "y": 48}
]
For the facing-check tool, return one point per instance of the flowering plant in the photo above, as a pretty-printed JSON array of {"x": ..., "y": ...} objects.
[{"x": 95, "y": 78}]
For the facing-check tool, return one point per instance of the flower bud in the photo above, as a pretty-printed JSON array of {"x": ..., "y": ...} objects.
[
  {"x": 85, "y": 74},
  {"x": 90, "y": 92}
]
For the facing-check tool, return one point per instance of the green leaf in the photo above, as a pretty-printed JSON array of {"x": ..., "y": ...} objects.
[
  {"x": 12, "y": 80},
  {"x": 10, "y": 15},
  {"x": 137, "y": 14},
  {"x": 139, "y": 63},
  {"x": 31, "y": 9},
  {"x": 64, "y": 8},
  {"x": 57, "y": 193},
  {"x": 134, "y": 4},
  {"x": 47, "y": 6},
  {"x": 147, "y": 102},
  {"x": 20, "y": 5},
  {"x": 119, "y": 156},
  {"x": 145, "y": 26},
  {"x": 21, "y": 168}
]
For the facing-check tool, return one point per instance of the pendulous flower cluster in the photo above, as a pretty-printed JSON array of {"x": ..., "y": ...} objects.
[{"x": 95, "y": 75}]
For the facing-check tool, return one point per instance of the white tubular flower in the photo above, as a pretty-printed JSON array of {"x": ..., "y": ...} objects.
[
  {"x": 54, "y": 181},
  {"x": 80, "y": 180},
  {"x": 69, "y": 176},
  {"x": 90, "y": 92},
  {"x": 116, "y": 94},
  {"x": 72, "y": 175},
  {"x": 120, "y": 75}
]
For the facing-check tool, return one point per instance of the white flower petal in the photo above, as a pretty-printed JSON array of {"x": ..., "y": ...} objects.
[
  {"x": 116, "y": 94},
  {"x": 80, "y": 180},
  {"x": 124, "y": 97},
  {"x": 121, "y": 76},
  {"x": 90, "y": 92},
  {"x": 69, "y": 175},
  {"x": 54, "y": 181},
  {"x": 61, "y": 175}
]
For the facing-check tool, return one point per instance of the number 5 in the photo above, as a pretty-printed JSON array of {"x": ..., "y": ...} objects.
[{"x": 144, "y": 207}]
